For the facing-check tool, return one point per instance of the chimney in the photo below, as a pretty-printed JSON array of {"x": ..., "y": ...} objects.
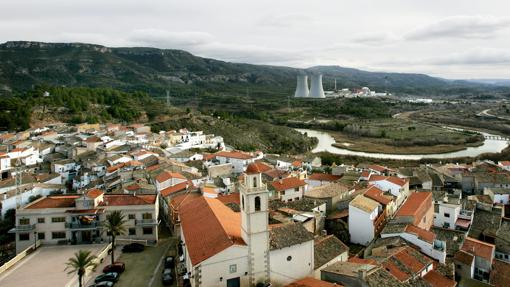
[{"x": 362, "y": 274}]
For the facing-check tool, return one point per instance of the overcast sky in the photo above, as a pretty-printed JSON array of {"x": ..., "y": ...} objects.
[{"x": 447, "y": 38}]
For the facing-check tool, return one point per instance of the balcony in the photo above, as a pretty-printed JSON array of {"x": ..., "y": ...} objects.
[
  {"x": 24, "y": 227},
  {"x": 79, "y": 225},
  {"x": 146, "y": 222}
]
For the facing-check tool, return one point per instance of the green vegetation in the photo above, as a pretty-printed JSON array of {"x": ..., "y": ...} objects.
[
  {"x": 114, "y": 225},
  {"x": 7, "y": 224},
  {"x": 76, "y": 105},
  {"x": 79, "y": 264},
  {"x": 244, "y": 134}
]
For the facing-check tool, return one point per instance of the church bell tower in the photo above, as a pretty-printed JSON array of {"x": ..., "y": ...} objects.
[{"x": 254, "y": 223}]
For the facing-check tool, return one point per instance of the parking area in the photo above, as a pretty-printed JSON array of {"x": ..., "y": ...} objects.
[
  {"x": 45, "y": 267},
  {"x": 143, "y": 268}
]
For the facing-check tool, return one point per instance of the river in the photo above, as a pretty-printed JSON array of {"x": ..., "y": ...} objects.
[{"x": 326, "y": 142}]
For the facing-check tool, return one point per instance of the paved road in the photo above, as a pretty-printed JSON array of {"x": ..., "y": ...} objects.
[{"x": 45, "y": 267}]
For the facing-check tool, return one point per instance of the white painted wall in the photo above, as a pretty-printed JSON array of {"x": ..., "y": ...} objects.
[
  {"x": 361, "y": 225},
  {"x": 440, "y": 217},
  {"x": 283, "y": 271}
]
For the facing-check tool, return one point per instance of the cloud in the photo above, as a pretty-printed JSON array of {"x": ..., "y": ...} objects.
[
  {"x": 479, "y": 56},
  {"x": 461, "y": 27},
  {"x": 167, "y": 39},
  {"x": 206, "y": 45},
  {"x": 286, "y": 20},
  {"x": 471, "y": 57},
  {"x": 376, "y": 39}
]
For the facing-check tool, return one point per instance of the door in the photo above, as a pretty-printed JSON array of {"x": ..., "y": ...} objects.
[{"x": 234, "y": 282}]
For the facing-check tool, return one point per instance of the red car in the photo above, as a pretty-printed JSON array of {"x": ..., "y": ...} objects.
[{"x": 118, "y": 267}]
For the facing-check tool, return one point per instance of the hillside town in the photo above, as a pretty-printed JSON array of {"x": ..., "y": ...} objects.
[{"x": 235, "y": 218}]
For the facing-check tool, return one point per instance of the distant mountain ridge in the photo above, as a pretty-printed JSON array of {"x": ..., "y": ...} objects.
[{"x": 24, "y": 64}]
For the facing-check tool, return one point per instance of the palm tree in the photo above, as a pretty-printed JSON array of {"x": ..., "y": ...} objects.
[
  {"x": 79, "y": 264},
  {"x": 115, "y": 225}
]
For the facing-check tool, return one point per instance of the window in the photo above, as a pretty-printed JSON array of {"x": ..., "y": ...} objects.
[
  {"x": 58, "y": 235},
  {"x": 233, "y": 268},
  {"x": 41, "y": 235},
  {"x": 132, "y": 231},
  {"x": 147, "y": 230},
  {"x": 147, "y": 216},
  {"x": 24, "y": 236},
  {"x": 296, "y": 189},
  {"x": 24, "y": 221},
  {"x": 446, "y": 214},
  {"x": 446, "y": 225},
  {"x": 131, "y": 216},
  {"x": 257, "y": 203},
  {"x": 41, "y": 220},
  {"x": 58, "y": 219},
  {"x": 289, "y": 258},
  {"x": 254, "y": 181}
]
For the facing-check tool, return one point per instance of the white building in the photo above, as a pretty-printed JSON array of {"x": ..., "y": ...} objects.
[
  {"x": 289, "y": 189},
  {"x": 78, "y": 219},
  {"x": 239, "y": 160},
  {"x": 446, "y": 213},
  {"x": 498, "y": 195},
  {"x": 240, "y": 249},
  {"x": 167, "y": 179},
  {"x": 364, "y": 217},
  {"x": 398, "y": 187}
]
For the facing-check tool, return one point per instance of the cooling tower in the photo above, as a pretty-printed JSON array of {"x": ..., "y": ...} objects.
[
  {"x": 316, "y": 90},
  {"x": 302, "y": 87}
]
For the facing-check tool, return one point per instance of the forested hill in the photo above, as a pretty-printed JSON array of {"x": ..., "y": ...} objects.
[{"x": 24, "y": 65}]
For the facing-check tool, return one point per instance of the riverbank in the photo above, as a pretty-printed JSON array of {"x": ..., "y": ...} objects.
[
  {"x": 374, "y": 145},
  {"x": 326, "y": 142}
]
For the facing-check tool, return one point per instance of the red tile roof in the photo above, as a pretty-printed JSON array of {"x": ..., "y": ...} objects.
[
  {"x": 395, "y": 271},
  {"x": 377, "y": 168},
  {"x": 312, "y": 282},
  {"x": 276, "y": 173},
  {"x": 93, "y": 139},
  {"x": 324, "y": 177},
  {"x": 175, "y": 188},
  {"x": 128, "y": 199},
  {"x": 287, "y": 183},
  {"x": 407, "y": 257},
  {"x": 230, "y": 198},
  {"x": 505, "y": 163},
  {"x": 436, "y": 279},
  {"x": 465, "y": 223},
  {"x": 297, "y": 163},
  {"x": 257, "y": 167},
  {"x": 365, "y": 174},
  {"x": 423, "y": 234},
  {"x": 417, "y": 206},
  {"x": 464, "y": 257},
  {"x": 54, "y": 201},
  {"x": 234, "y": 154},
  {"x": 94, "y": 193},
  {"x": 479, "y": 248},
  {"x": 378, "y": 195},
  {"x": 166, "y": 175},
  {"x": 397, "y": 180},
  {"x": 500, "y": 274},
  {"x": 209, "y": 227}
]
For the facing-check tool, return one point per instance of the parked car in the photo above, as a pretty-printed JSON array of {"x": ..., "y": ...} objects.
[
  {"x": 169, "y": 262},
  {"x": 110, "y": 276},
  {"x": 103, "y": 284},
  {"x": 167, "y": 277},
  {"x": 118, "y": 267},
  {"x": 133, "y": 247}
]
